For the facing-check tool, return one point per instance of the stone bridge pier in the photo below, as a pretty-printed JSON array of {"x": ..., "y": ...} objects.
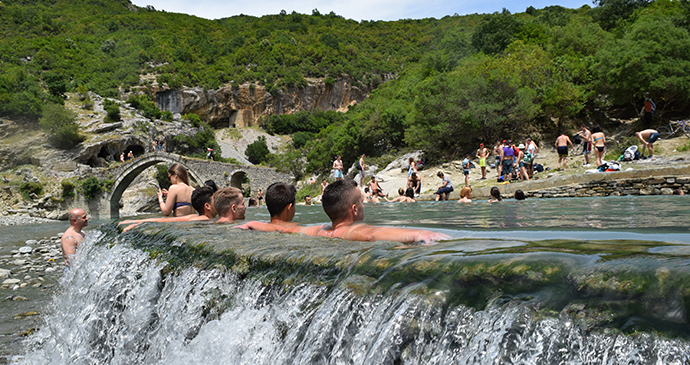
[{"x": 224, "y": 174}]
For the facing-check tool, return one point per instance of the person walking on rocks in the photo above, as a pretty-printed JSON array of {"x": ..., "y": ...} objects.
[{"x": 73, "y": 235}]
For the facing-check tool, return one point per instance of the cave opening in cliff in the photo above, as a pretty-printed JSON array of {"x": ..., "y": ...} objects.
[{"x": 137, "y": 150}]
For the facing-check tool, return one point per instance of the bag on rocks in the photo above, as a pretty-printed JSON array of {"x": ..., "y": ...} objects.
[{"x": 629, "y": 153}]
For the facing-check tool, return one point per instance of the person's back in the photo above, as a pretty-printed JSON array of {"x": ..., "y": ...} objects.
[{"x": 280, "y": 201}]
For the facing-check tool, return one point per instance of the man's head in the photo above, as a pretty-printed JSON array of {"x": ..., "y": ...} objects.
[
  {"x": 307, "y": 200},
  {"x": 281, "y": 196},
  {"x": 211, "y": 184},
  {"x": 342, "y": 200},
  {"x": 78, "y": 219},
  {"x": 229, "y": 203},
  {"x": 202, "y": 201},
  {"x": 481, "y": 145}
]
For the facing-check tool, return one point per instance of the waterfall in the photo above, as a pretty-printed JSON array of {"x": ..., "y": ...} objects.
[{"x": 124, "y": 304}]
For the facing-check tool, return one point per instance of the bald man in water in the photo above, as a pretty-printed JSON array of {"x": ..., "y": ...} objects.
[{"x": 73, "y": 235}]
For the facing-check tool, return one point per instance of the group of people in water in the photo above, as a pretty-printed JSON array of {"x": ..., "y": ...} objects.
[{"x": 341, "y": 200}]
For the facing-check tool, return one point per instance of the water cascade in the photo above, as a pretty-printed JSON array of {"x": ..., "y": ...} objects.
[{"x": 212, "y": 294}]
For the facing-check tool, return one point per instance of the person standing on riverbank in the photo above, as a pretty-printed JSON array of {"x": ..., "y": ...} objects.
[
  {"x": 338, "y": 168},
  {"x": 360, "y": 167},
  {"x": 562, "y": 147},
  {"x": 532, "y": 149},
  {"x": 482, "y": 154},
  {"x": 599, "y": 141},
  {"x": 73, "y": 235},
  {"x": 586, "y": 136}
]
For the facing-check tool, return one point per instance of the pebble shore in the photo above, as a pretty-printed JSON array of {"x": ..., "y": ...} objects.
[
  {"x": 30, "y": 263},
  {"x": 16, "y": 220}
]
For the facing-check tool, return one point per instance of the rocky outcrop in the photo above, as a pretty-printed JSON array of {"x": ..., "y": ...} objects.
[{"x": 241, "y": 107}]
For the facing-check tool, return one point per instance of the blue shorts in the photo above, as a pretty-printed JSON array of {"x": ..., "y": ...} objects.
[
  {"x": 653, "y": 138},
  {"x": 338, "y": 174},
  {"x": 466, "y": 172},
  {"x": 444, "y": 190}
]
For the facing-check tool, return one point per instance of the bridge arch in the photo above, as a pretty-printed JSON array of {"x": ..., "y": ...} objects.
[{"x": 138, "y": 166}]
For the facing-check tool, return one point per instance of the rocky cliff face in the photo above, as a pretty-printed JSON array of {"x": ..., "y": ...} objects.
[{"x": 241, "y": 107}]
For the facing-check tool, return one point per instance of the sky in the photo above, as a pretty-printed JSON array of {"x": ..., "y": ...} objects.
[{"x": 353, "y": 9}]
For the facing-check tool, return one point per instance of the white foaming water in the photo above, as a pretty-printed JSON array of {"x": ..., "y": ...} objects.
[{"x": 118, "y": 307}]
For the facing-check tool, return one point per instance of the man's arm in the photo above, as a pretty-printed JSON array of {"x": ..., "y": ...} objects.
[{"x": 405, "y": 235}]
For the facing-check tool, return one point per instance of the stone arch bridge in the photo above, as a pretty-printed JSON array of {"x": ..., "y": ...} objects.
[{"x": 224, "y": 174}]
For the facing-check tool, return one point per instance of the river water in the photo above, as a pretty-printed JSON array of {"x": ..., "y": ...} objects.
[{"x": 586, "y": 280}]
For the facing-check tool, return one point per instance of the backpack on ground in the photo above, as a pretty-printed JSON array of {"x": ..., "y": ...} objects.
[{"x": 629, "y": 153}]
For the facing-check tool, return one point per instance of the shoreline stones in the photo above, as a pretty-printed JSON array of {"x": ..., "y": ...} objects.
[{"x": 28, "y": 265}]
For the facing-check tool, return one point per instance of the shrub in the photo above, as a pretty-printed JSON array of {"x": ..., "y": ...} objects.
[
  {"x": 167, "y": 116},
  {"x": 91, "y": 187},
  {"x": 144, "y": 104},
  {"x": 113, "y": 110},
  {"x": 257, "y": 152},
  {"x": 162, "y": 176},
  {"x": 29, "y": 188},
  {"x": 67, "y": 189},
  {"x": 301, "y": 138},
  {"x": 61, "y": 126}
]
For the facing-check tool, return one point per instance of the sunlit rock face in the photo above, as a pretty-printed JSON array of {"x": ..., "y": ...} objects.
[{"x": 242, "y": 106}]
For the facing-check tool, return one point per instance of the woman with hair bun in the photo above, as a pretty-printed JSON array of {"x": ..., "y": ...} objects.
[{"x": 179, "y": 196}]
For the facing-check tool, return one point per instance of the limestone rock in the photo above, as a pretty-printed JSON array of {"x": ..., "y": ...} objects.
[
  {"x": 11, "y": 281},
  {"x": 4, "y": 274}
]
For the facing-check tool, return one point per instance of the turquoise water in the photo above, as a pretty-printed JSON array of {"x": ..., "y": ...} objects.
[{"x": 586, "y": 280}]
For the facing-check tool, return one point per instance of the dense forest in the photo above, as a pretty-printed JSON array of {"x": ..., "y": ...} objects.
[{"x": 457, "y": 81}]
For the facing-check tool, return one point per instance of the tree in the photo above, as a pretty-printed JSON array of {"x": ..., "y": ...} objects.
[
  {"x": 652, "y": 58},
  {"x": 257, "y": 152},
  {"x": 495, "y": 33},
  {"x": 61, "y": 125}
]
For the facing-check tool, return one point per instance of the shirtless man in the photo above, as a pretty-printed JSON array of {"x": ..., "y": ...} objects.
[
  {"x": 324, "y": 183},
  {"x": 342, "y": 202},
  {"x": 587, "y": 142},
  {"x": 280, "y": 201},
  {"x": 497, "y": 152},
  {"x": 562, "y": 147},
  {"x": 361, "y": 166},
  {"x": 229, "y": 204},
  {"x": 648, "y": 137},
  {"x": 338, "y": 168},
  {"x": 375, "y": 188},
  {"x": 73, "y": 235},
  {"x": 482, "y": 154}
]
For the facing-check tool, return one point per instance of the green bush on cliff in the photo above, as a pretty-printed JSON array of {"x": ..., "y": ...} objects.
[
  {"x": 61, "y": 126},
  {"x": 30, "y": 187},
  {"x": 67, "y": 189},
  {"x": 257, "y": 152},
  {"x": 113, "y": 110},
  {"x": 91, "y": 187}
]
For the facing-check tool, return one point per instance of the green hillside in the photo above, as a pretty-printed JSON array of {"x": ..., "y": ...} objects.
[{"x": 458, "y": 81}]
